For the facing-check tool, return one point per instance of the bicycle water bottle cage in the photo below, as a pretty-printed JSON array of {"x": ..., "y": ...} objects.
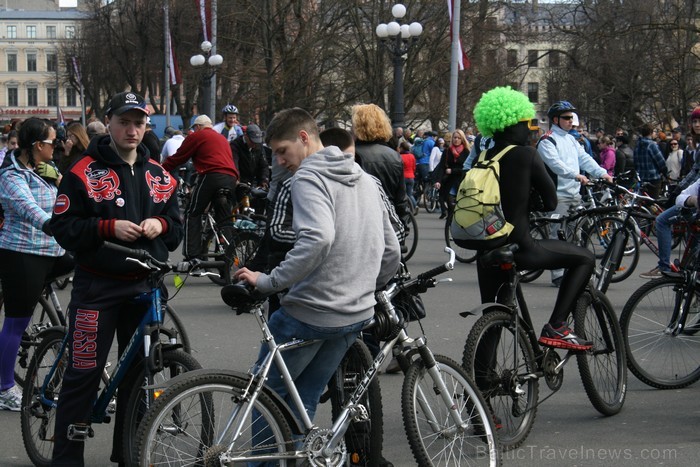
[{"x": 80, "y": 432}]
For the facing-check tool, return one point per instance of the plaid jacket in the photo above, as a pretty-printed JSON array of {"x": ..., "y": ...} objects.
[{"x": 648, "y": 160}]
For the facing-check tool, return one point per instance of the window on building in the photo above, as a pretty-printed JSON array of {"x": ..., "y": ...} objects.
[
  {"x": 512, "y": 60},
  {"x": 11, "y": 62},
  {"x": 31, "y": 32},
  {"x": 51, "y": 32},
  {"x": 31, "y": 62},
  {"x": 32, "y": 97},
  {"x": 12, "y": 97},
  {"x": 12, "y": 32},
  {"x": 71, "y": 100},
  {"x": 532, "y": 58},
  {"x": 51, "y": 62},
  {"x": 70, "y": 32},
  {"x": 533, "y": 92},
  {"x": 51, "y": 97},
  {"x": 554, "y": 58}
]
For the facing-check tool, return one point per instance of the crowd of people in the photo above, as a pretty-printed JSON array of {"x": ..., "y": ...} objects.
[{"x": 66, "y": 190}]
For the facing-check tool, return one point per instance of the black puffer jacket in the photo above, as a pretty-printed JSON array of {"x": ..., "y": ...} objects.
[{"x": 379, "y": 159}]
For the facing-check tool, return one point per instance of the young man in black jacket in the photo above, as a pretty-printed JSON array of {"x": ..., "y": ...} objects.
[{"x": 116, "y": 193}]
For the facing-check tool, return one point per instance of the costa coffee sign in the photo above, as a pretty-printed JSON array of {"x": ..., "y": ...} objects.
[{"x": 25, "y": 111}]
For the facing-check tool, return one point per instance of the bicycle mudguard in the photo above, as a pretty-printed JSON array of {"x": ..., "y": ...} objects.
[
  {"x": 294, "y": 424},
  {"x": 485, "y": 308}
]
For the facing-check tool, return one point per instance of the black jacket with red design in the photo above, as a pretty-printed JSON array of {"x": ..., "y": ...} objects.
[{"x": 100, "y": 189}]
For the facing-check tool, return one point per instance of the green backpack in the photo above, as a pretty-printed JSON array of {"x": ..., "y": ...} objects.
[{"x": 478, "y": 222}]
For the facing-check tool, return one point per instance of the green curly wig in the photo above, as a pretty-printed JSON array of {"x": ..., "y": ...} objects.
[{"x": 500, "y": 108}]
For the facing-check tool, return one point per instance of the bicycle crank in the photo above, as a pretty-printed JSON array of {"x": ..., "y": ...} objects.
[
  {"x": 314, "y": 445},
  {"x": 553, "y": 374}
]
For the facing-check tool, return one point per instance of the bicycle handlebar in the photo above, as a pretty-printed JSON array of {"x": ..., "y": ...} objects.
[
  {"x": 448, "y": 266},
  {"x": 144, "y": 258}
]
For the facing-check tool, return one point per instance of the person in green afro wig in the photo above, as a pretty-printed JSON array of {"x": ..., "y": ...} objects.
[
  {"x": 503, "y": 114},
  {"x": 500, "y": 108}
]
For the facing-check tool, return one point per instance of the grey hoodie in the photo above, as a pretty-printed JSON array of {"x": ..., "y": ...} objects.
[{"x": 345, "y": 248}]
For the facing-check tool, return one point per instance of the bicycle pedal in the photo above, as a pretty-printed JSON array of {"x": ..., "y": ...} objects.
[
  {"x": 360, "y": 413},
  {"x": 80, "y": 432}
]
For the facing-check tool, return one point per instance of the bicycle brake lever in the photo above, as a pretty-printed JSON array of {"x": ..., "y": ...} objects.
[{"x": 140, "y": 263}]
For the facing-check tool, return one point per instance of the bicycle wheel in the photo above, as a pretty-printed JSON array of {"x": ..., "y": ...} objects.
[
  {"x": 604, "y": 368},
  {"x": 598, "y": 237},
  {"x": 411, "y": 241},
  {"x": 172, "y": 320},
  {"x": 175, "y": 362},
  {"x": 607, "y": 268},
  {"x": 489, "y": 357},
  {"x": 537, "y": 232},
  {"x": 185, "y": 421},
  {"x": 463, "y": 255},
  {"x": 239, "y": 253},
  {"x": 364, "y": 437},
  {"x": 432, "y": 435},
  {"x": 37, "y": 418},
  {"x": 432, "y": 199},
  {"x": 654, "y": 354}
]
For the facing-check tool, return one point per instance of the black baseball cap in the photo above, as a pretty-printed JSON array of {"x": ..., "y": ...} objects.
[
  {"x": 125, "y": 101},
  {"x": 254, "y": 133}
]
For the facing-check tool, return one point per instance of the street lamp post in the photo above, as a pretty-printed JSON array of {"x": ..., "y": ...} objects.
[
  {"x": 213, "y": 60},
  {"x": 398, "y": 40}
]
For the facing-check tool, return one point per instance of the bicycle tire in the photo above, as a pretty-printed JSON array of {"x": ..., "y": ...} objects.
[
  {"x": 411, "y": 240},
  {"x": 363, "y": 438},
  {"x": 185, "y": 419},
  {"x": 463, "y": 255},
  {"x": 537, "y": 232},
  {"x": 498, "y": 327},
  {"x": 171, "y": 320},
  {"x": 432, "y": 199},
  {"x": 603, "y": 369},
  {"x": 597, "y": 238},
  {"x": 608, "y": 270},
  {"x": 47, "y": 318},
  {"x": 175, "y": 362},
  {"x": 36, "y": 419},
  {"x": 446, "y": 444},
  {"x": 239, "y": 253},
  {"x": 655, "y": 356}
]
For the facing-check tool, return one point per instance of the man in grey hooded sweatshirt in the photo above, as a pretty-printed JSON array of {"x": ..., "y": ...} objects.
[{"x": 346, "y": 248}]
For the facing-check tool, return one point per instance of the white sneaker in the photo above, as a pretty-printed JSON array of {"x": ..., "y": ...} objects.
[{"x": 11, "y": 399}]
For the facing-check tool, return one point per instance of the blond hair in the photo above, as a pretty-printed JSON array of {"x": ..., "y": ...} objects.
[{"x": 370, "y": 123}]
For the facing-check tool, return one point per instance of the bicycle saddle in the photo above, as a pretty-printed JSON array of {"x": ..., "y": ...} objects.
[
  {"x": 500, "y": 256},
  {"x": 241, "y": 297}
]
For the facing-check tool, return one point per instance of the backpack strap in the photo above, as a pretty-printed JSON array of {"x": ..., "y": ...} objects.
[{"x": 494, "y": 159}]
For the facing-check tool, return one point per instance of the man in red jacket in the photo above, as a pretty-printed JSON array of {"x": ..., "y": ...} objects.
[{"x": 212, "y": 158}]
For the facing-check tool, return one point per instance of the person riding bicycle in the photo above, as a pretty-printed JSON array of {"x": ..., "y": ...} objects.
[
  {"x": 213, "y": 161},
  {"x": 566, "y": 159},
  {"x": 503, "y": 114},
  {"x": 116, "y": 193},
  {"x": 331, "y": 281},
  {"x": 230, "y": 128},
  {"x": 29, "y": 255},
  {"x": 683, "y": 191}
]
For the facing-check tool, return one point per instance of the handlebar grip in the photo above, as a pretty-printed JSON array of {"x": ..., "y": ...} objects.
[
  {"x": 432, "y": 273},
  {"x": 130, "y": 252}
]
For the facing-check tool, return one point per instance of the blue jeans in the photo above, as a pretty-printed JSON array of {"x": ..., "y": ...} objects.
[
  {"x": 663, "y": 235},
  {"x": 410, "y": 182},
  {"x": 563, "y": 209},
  {"x": 311, "y": 366}
]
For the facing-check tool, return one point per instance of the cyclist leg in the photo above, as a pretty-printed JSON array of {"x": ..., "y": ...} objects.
[
  {"x": 562, "y": 208},
  {"x": 201, "y": 196},
  {"x": 222, "y": 210},
  {"x": 663, "y": 235},
  {"x": 93, "y": 318}
]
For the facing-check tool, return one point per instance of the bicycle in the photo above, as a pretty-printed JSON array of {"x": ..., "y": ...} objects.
[
  {"x": 503, "y": 356},
  {"x": 205, "y": 417},
  {"x": 162, "y": 357},
  {"x": 411, "y": 240},
  {"x": 660, "y": 324}
]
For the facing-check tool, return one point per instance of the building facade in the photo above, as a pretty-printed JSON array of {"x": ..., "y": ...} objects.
[{"x": 32, "y": 77}]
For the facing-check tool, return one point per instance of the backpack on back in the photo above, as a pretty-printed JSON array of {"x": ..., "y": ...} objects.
[{"x": 478, "y": 222}]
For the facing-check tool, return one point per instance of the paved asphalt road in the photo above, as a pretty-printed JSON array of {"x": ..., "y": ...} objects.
[{"x": 654, "y": 428}]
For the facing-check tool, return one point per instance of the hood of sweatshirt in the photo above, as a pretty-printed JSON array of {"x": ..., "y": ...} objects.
[
  {"x": 330, "y": 162},
  {"x": 100, "y": 149}
]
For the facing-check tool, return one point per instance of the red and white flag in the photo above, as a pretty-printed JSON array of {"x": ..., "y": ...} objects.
[
  {"x": 175, "y": 77},
  {"x": 204, "y": 8},
  {"x": 463, "y": 59}
]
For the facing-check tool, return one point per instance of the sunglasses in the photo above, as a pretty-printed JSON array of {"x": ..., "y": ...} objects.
[
  {"x": 674, "y": 144},
  {"x": 567, "y": 117},
  {"x": 52, "y": 142}
]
